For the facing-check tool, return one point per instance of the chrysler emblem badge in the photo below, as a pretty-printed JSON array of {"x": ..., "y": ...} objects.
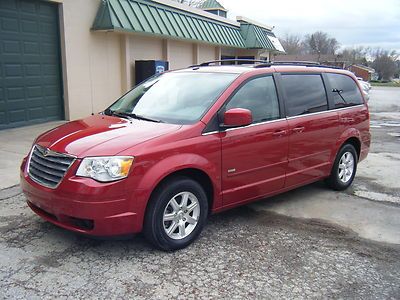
[{"x": 46, "y": 152}]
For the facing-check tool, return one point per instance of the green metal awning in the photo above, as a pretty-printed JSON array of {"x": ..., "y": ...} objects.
[
  {"x": 257, "y": 37},
  {"x": 153, "y": 18}
]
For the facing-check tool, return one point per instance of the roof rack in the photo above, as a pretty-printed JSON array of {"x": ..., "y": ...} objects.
[
  {"x": 249, "y": 61},
  {"x": 295, "y": 63},
  {"x": 265, "y": 64}
]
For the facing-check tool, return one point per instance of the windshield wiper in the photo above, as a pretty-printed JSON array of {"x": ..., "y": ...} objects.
[
  {"x": 134, "y": 116},
  {"x": 339, "y": 92},
  {"x": 140, "y": 117}
]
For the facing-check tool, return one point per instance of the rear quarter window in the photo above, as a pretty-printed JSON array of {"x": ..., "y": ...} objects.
[
  {"x": 305, "y": 93},
  {"x": 345, "y": 90}
]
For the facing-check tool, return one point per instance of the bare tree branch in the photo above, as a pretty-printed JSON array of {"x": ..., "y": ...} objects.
[
  {"x": 385, "y": 63},
  {"x": 320, "y": 43},
  {"x": 292, "y": 43}
]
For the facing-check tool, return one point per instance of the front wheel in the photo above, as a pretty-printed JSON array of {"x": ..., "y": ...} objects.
[
  {"x": 344, "y": 168},
  {"x": 176, "y": 214}
]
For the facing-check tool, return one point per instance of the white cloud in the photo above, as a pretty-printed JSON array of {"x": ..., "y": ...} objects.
[{"x": 351, "y": 22}]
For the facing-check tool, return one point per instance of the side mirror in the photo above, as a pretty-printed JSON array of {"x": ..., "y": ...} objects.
[{"x": 236, "y": 117}]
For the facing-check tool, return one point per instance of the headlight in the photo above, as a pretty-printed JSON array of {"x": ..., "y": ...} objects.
[{"x": 106, "y": 168}]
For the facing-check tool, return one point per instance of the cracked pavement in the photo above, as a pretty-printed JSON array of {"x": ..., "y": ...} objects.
[{"x": 308, "y": 243}]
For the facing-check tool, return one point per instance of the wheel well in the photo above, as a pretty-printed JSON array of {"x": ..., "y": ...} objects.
[
  {"x": 356, "y": 143},
  {"x": 197, "y": 175}
]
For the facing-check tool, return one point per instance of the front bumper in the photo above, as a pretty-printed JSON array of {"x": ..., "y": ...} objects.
[{"x": 84, "y": 205}]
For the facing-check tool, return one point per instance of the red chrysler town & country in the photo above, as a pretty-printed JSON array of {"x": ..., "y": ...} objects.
[{"x": 191, "y": 142}]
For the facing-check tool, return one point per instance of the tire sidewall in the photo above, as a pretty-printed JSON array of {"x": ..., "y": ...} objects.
[
  {"x": 162, "y": 197},
  {"x": 338, "y": 184}
]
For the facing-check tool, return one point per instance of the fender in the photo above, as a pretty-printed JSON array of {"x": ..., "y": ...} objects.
[
  {"x": 347, "y": 134},
  {"x": 160, "y": 170}
]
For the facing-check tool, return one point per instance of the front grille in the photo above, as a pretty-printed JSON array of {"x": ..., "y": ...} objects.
[{"x": 47, "y": 167}]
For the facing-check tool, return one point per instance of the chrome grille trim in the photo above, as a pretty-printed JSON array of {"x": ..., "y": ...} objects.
[{"x": 47, "y": 167}]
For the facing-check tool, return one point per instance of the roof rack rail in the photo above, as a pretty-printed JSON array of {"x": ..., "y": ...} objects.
[
  {"x": 295, "y": 63},
  {"x": 249, "y": 61}
]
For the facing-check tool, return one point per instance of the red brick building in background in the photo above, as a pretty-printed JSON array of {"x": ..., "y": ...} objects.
[{"x": 362, "y": 71}]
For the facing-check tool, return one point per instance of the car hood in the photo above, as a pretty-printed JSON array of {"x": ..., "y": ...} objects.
[{"x": 102, "y": 135}]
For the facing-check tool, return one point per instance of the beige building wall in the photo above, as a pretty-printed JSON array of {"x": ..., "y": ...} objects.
[
  {"x": 143, "y": 48},
  {"x": 91, "y": 60},
  {"x": 207, "y": 53},
  {"x": 180, "y": 54}
]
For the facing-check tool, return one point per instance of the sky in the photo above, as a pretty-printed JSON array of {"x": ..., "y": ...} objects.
[{"x": 352, "y": 22}]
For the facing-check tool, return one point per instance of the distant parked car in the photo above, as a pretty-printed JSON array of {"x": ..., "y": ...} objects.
[
  {"x": 365, "y": 84},
  {"x": 366, "y": 87}
]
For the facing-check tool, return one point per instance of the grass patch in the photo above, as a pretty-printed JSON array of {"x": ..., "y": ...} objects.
[{"x": 391, "y": 84}]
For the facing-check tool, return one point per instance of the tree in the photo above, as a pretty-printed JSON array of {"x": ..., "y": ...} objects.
[
  {"x": 320, "y": 43},
  {"x": 292, "y": 44},
  {"x": 385, "y": 63},
  {"x": 357, "y": 55}
]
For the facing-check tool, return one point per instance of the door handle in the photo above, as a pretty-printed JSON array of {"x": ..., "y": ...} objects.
[
  {"x": 298, "y": 129},
  {"x": 279, "y": 132},
  {"x": 347, "y": 120}
]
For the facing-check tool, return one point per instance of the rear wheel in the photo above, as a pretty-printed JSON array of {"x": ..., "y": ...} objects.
[
  {"x": 344, "y": 168},
  {"x": 176, "y": 214}
]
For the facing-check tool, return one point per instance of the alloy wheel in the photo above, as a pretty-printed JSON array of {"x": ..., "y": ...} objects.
[
  {"x": 346, "y": 167},
  {"x": 181, "y": 215}
]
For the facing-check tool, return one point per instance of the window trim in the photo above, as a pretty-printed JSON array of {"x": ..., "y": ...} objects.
[
  {"x": 284, "y": 118},
  {"x": 222, "y": 109},
  {"x": 285, "y": 95}
]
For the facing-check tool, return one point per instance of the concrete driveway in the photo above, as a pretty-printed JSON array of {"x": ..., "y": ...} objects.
[
  {"x": 307, "y": 243},
  {"x": 14, "y": 145}
]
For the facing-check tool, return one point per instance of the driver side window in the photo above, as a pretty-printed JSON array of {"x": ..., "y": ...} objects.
[{"x": 259, "y": 96}]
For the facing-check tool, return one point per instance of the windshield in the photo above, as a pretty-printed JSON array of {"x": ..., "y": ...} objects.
[{"x": 179, "y": 98}]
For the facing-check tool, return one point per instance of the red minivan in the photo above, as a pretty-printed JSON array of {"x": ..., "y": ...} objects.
[{"x": 196, "y": 141}]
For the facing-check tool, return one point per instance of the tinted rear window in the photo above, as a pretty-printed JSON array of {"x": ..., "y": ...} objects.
[
  {"x": 345, "y": 91},
  {"x": 305, "y": 93}
]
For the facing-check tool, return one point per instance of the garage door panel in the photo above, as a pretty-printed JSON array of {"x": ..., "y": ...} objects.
[
  {"x": 17, "y": 105},
  {"x": 30, "y": 70},
  {"x": 11, "y": 47},
  {"x": 35, "y": 113},
  {"x": 9, "y": 24},
  {"x": 8, "y": 5},
  {"x": 17, "y": 115},
  {"x": 46, "y": 11},
  {"x": 15, "y": 94},
  {"x": 29, "y": 26},
  {"x": 3, "y": 117},
  {"x": 53, "y": 109},
  {"x": 37, "y": 102},
  {"x": 14, "y": 71},
  {"x": 34, "y": 91},
  {"x": 28, "y": 6},
  {"x": 31, "y": 47}
]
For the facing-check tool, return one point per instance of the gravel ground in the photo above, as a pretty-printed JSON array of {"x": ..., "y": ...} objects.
[{"x": 242, "y": 253}]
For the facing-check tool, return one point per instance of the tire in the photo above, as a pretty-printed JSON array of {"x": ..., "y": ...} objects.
[
  {"x": 344, "y": 168},
  {"x": 170, "y": 224}
]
